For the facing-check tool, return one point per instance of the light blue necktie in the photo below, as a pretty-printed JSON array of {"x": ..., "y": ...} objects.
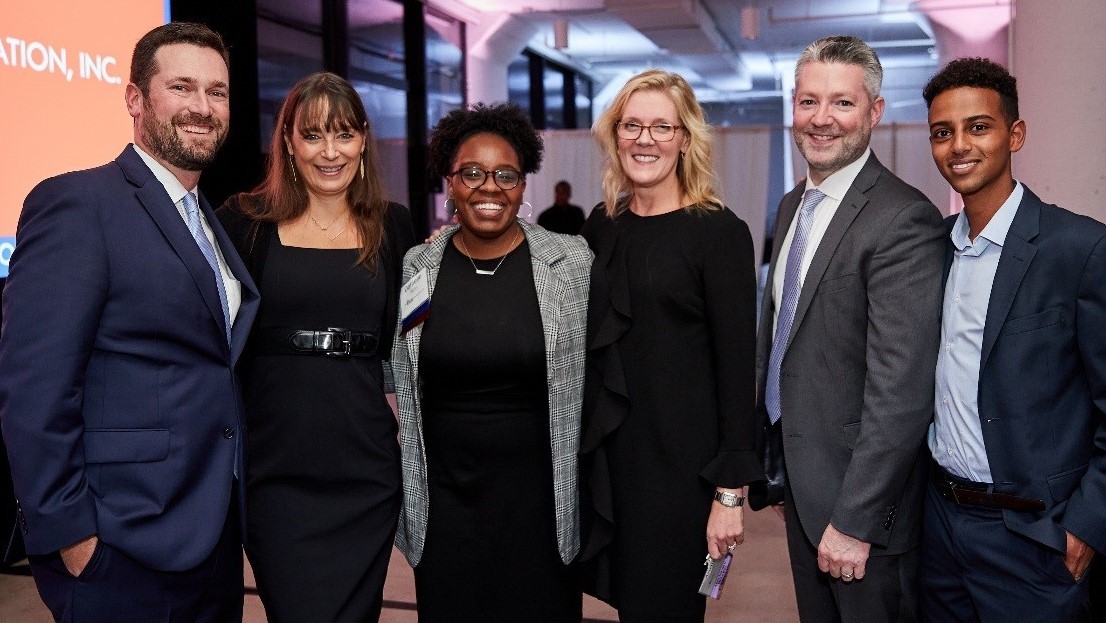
[
  {"x": 790, "y": 302},
  {"x": 192, "y": 211}
]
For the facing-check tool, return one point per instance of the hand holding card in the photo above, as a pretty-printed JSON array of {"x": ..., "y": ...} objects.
[{"x": 715, "y": 576}]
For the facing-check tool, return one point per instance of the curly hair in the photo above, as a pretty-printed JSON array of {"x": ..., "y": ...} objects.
[
  {"x": 976, "y": 72},
  {"x": 695, "y": 171},
  {"x": 328, "y": 102},
  {"x": 502, "y": 119}
]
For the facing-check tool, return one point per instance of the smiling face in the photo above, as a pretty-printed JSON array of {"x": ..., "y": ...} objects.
[
  {"x": 833, "y": 116},
  {"x": 971, "y": 141},
  {"x": 326, "y": 158},
  {"x": 646, "y": 162},
  {"x": 486, "y": 212},
  {"x": 183, "y": 118}
]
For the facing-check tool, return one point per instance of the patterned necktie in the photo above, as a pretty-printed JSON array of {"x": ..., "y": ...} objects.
[
  {"x": 192, "y": 211},
  {"x": 789, "y": 303}
]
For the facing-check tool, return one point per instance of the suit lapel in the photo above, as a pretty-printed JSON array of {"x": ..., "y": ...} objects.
[
  {"x": 950, "y": 250},
  {"x": 429, "y": 259},
  {"x": 789, "y": 205},
  {"x": 851, "y": 205},
  {"x": 151, "y": 194},
  {"x": 1013, "y": 263},
  {"x": 551, "y": 290},
  {"x": 247, "y": 308}
]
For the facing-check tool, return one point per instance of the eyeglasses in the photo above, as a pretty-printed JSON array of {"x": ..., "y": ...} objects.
[
  {"x": 660, "y": 132},
  {"x": 474, "y": 177}
]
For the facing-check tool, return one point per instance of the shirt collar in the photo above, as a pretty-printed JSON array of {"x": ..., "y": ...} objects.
[
  {"x": 997, "y": 228},
  {"x": 838, "y": 183},
  {"x": 172, "y": 185}
]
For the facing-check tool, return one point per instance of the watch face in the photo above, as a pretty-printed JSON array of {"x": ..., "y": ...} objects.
[{"x": 728, "y": 499}]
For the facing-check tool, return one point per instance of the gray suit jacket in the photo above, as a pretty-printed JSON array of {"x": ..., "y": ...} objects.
[
  {"x": 562, "y": 273},
  {"x": 857, "y": 379}
]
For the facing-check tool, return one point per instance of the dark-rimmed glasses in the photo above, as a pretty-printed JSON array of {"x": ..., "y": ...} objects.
[
  {"x": 474, "y": 177},
  {"x": 660, "y": 132}
]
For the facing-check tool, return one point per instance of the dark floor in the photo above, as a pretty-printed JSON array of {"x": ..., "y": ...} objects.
[{"x": 758, "y": 588}]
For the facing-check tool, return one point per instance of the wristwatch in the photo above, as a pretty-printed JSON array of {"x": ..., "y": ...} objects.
[{"x": 729, "y": 499}]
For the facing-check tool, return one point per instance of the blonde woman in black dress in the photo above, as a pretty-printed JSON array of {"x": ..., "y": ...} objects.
[
  {"x": 324, "y": 247},
  {"x": 668, "y": 440}
]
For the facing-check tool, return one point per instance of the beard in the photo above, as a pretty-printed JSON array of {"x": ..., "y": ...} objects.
[
  {"x": 167, "y": 144},
  {"x": 830, "y": 161}
]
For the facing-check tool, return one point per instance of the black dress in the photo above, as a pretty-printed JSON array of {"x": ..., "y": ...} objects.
[
  {"x": 491, "y": 541},
  {"x": 323, "y": 486},
  {"x": 669, "y": 401}
]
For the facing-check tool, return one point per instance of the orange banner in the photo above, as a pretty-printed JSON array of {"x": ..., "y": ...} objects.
[{"x": 63, "y": 69}]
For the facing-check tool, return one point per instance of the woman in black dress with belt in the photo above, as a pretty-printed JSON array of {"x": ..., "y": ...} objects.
[
  {"x": 324, "y": 247},
  {"x": 668, "y": 440},
  {"x": 489, "y": 389}
]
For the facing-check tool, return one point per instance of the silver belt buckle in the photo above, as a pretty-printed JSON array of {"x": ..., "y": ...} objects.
[{"x": 340, "y": 338}]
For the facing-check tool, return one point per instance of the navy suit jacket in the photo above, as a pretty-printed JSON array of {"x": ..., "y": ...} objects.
[
  {"x": 1042, "y": 379},
  {"x": 120, "y": 408}
]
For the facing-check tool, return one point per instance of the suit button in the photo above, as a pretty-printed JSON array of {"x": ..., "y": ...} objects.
[{"x": 228, "y": 433}]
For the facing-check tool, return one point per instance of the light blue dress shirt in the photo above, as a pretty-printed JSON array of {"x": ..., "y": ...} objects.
[{"x": 956, "y": 435}]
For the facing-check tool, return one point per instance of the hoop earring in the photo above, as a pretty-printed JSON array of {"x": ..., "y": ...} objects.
[
  {"x": 292, "y": 166},
  {"x": 531, "y": 212},
  {"x": 450, "y": 206}
]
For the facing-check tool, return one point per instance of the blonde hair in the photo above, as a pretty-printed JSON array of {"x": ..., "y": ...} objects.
[{"x": 695, "y": 169}]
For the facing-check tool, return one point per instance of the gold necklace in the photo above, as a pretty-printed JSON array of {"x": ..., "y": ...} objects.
[
  {"x": 330, "y": 237},
  {"x": 490, "y": 273},
  {"x": 320, "y": 226}
]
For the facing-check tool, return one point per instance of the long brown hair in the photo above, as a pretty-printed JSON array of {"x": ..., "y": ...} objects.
[{"x": 328, "y": 101}]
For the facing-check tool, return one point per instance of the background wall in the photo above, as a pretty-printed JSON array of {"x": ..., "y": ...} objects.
[{"x": 1058, "y": 55}]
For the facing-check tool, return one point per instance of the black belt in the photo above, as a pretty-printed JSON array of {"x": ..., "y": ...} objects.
[
  {"x": 332, "y": 342},
  {"x": 966, "y": 492}
]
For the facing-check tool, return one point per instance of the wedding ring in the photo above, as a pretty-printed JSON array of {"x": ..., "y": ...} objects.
[
  {"x": 846, "y": 576},
  {"x": 731, "y": 546}
]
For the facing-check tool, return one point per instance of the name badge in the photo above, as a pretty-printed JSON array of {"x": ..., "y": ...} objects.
[{"x": 414, "y": 301}]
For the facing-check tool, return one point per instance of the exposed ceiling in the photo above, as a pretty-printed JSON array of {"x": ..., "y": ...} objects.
[{"x": 731, "y": 51}]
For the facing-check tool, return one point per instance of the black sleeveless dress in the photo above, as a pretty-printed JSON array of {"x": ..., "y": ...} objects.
[
  {"x": 323, "y": 475},
  {"x": 491, "y": 540}
]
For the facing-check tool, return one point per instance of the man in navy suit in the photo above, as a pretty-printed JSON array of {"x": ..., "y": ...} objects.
[
  {"x": 124, "y": 313},
  {"x": 1016, "y": 507}
]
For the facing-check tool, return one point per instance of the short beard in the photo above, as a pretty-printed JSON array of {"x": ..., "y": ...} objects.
[
  {"x": 167, "y": 145},
  {"x": 852, "y": 148}
]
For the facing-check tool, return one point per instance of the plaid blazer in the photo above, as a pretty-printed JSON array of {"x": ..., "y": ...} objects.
[{"x": 562, "y": 273}]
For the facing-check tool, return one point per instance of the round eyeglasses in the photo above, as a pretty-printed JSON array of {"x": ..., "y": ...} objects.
[
  {"x": 660, "y": 132},
  {"x": 474, "y": 177}
]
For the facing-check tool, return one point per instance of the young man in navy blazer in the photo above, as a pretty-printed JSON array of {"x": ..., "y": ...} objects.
[
  {"x": 124, "y": 313},
  {"x": 1017, "y": 504}
]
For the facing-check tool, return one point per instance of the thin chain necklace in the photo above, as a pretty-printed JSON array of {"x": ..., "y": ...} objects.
[
  {"x": 320, "y": 226},
  {"x": 490, "y": 273},
  {"x": 329, "y": 237}
]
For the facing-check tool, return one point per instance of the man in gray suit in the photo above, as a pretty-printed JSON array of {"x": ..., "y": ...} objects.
[{"x": 846, "y": 348}]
